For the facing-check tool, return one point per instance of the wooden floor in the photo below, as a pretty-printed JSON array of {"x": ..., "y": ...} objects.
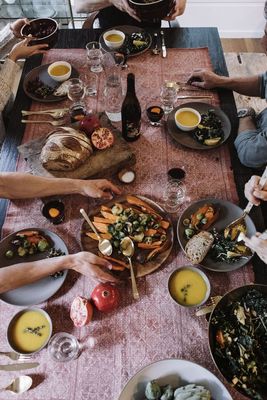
[{"x": 242, "y": 45}]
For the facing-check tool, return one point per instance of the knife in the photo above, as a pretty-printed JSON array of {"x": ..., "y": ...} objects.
[
  {"x": 163, "y": 45},
  {"x": 17, "y": 367},
  {"x": 194, "y": 97}
]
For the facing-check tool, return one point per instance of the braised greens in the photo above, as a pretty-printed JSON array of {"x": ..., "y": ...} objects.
[
  {"x": 209, "y": 131},
  {"x": 241, "y": 343},
  {"x": 191, "y": 391}
]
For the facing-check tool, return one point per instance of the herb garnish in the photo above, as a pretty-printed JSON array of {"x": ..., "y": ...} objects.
[
  {"x": 184, "y": 290},
  {"x": 34, "y": 331}
]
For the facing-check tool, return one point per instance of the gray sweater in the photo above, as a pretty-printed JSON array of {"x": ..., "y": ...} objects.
[{"x": 251, "y": 145}]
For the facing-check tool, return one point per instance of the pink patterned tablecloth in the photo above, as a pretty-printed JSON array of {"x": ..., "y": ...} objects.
[{"x": 117, "y": 345}]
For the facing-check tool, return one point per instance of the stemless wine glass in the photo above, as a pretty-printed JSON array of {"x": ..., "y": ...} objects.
[
  {"x": 173, "y": 195},
  {"x": 94, "y": 56},
  {"x": 113, "y": 96},
  {"x": 76, "y": 90},
  {"x": 63, "y": 347},
  {"x": 168, "y": 96},
  {"x": 154, "y": 112}
]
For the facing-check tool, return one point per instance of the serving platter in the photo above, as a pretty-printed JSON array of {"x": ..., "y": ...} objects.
[
  {"x": 42, "y": 74},
  {"x": 127, "y": 30},
  {"x": 228, "y": 212},
  {"x": 186, "y": 138},
  {"x": 42, "y": 289},
  {"x": 176, "y": 373},
  {"x": 141, "y": 269}
]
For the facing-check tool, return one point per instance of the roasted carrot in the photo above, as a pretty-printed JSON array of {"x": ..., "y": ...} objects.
[
  {"x": 144, "y": 206},
  {"x": 101, "y": 227},
  {"x": 92, "y": 235},
  {"x": 158, "y": 250},
  {"x": 164, "y": 224},
  {"x": 103, "y": 220},
  {"x": 28, "y": 233},
  {"x": 154, "y": 245},
  {"x": 151, "y": 232},
  {"x": 115, "y": 260},
  {"x": 109, "y": 216},
  {"x": 117, "y": 267},
  {"x": 104, "y": 208}
]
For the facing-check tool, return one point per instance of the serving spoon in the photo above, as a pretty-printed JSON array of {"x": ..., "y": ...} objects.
[
  {"x": 54, "y": 123},
  {"x": 54, "y": 114},
  {"x": 19, "y": 385},
  {"x": 127, "y": 249},
  {"x": 104, "y": 245}
]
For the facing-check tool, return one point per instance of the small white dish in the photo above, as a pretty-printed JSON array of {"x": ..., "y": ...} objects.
[
  {"x": 59, "y": 78},
  {"x": 187, "y": 127},
  {"x": 113, "y": 44}
]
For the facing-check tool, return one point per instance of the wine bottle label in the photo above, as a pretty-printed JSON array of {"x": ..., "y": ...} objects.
[{"x": 132, "y": 130}]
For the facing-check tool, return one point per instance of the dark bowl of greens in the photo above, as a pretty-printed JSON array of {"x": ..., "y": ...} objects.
[
  {"x": 238, "y": 339},
  {"x": 151, "y": 10}
]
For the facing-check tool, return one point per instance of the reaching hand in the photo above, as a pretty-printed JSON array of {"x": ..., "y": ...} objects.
[
  {"x": 124, "y": 6},
  {"x": 259, "y": 245},
  {"x": 22, "y": 50},
  {"x": 92, "y": 266},
  {"x": 98, "y": 188},
  {"x": 204, "y": 79},
  {"x": 178, "y": 9},
  {"x": 16, "y": 26},
  {"x": 252, "y": 191}
]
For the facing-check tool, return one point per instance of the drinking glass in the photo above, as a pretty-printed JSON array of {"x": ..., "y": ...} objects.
[
  {"x": 168, "y": 96},
  {"x": 63, "y": 347},
  {"x": 113, "y": 97},
  {"x": 154, "y": 112},
  {"x": 76, "y": 90},
  {"x": 91, "y": 84},
  {"x": 94, "y": 56},
  {"x": 173, "y": 195}
]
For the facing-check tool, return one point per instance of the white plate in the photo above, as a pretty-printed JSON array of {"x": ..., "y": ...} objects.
[{"x": 174, "y": 372}]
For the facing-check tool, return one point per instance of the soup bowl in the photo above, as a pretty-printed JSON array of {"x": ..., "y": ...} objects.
[
  {"x": 59, "y": 71},
  {"x": 114, "y": 39},
  {"x": 187, "y": 119},
  {"x": 43, "y": 30},
  {"x": 29, "y": 331},
  {"x": 188, "y": 286},
  {"x": 151, "y": 10}
]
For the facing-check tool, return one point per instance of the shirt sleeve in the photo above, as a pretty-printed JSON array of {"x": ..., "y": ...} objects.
[
  {"x": 263, "y": 88},
  {"x": 8, "y": 70},
  {"x": 251, "y": 148}
]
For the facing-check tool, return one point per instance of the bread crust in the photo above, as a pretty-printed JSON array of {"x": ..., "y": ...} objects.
[{"x": 198, "y": 246}]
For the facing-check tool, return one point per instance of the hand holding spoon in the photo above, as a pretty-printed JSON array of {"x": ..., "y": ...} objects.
[
  {"x": 104, "y": 245},
  {"x": 127, "y": 248},
  {"x": 19, "y": 385}
]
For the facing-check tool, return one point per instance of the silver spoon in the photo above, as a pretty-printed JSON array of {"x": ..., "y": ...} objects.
[
  {"x": 127, "y": 248},
  {"x": 104, "y": 245},
  {"x": 19, "y": 385}
]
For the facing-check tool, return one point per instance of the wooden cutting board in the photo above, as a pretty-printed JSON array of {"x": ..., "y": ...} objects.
[{"x": 101, "y": 164}]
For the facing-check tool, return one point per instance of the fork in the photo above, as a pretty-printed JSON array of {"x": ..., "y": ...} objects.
[
  {"x": 54, "y": 114},
  {"x": 210, "y": 307},
  {"x": 54, "y": 123},
  {"x": 15, "y": 356}
]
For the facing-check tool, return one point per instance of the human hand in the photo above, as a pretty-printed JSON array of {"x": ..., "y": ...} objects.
[
  {"x": 22, "y": 50},
  {"x": 124, "y": 6},
  {"x": 252, "y": 191},
  {"x": 97, "y": 188},
  {"x": 178, "y": 9},
  {"x": 257, "y": 244},
  {"x": 16, "y": 26},
  {"x": 204, "y": 79},
  {"x": 90, "y": 265}
]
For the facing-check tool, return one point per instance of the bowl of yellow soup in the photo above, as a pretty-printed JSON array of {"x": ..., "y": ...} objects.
[
  {"x": 29, "y": 331},
  {"x": 187, "y": 118},
  {"x": 59, "y": 71},
  {"x": 189, "y": 286},
  {"x": 114, "y": 38}
]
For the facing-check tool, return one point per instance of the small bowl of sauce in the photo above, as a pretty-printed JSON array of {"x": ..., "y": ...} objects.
[
  {"x": 187, "y": 119},
  {"x": 54, "y": 211},
  {"x": 113, "y": 38},
  {"x": 189, "y": 286},
  {"x": 29, "y": 331},
  {"x": 154, "y": 114},
  {"x": 60, "y": 71}
]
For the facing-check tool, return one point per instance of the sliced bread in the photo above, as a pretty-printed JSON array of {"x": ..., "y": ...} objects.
[{"x": 198, "y": 246}]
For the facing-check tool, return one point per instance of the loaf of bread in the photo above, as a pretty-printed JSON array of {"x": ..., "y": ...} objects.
[
  {"x": 65, "y": 149},
  {"x": 198, "y": 246}
]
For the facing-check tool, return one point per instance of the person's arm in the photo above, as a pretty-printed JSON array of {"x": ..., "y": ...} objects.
[
  {"x": 251, "y": 147},
  {"x": 15, "y": 185},
  {"x": 257, "y": 244},
  {"x": 178, "y": 9},
  {"x": 253, "y": 192},
  {"x": 85, "y": 263},
  {"x": 205, "y": 79}
]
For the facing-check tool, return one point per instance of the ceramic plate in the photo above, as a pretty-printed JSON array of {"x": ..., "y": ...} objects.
[
  {"x": 42, "y": 74},
  {"x": 41, "y": 290},
  {"x": 91, "y": 245},
  {"x": 228, "y": 212},
  {"x": 176, "y": 373},
  {"x": 128, "y": 30},
  {"x": 186, "y": 138}
]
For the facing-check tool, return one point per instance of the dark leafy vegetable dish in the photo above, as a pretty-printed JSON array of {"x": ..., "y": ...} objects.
[
  {"x": 39, "y": 89},
  {"x": 136, "y": 219},
  {"x": 135, "y": 42},
  {"x": 240, "y": 333},
  {"x": 192, "y": 391},
  {"x": 209, "y": 131},
  {"x": 27, "y": 243}
]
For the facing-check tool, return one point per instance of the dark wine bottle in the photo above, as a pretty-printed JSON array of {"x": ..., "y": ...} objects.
[{"x": 131, "y": 112}]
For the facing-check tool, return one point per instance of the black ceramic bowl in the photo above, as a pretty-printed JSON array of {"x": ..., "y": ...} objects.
[
  {"x": 151, "y": 10},
  {"x": 44, "y": 30}
]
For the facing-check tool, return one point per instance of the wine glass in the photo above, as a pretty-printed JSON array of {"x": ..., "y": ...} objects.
[
  {"x": 94, "y": 56},
  {"x": 76, "y": 90},
  {"x": 173, "y": 195},
  {"x": 63, "y": 347}
]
